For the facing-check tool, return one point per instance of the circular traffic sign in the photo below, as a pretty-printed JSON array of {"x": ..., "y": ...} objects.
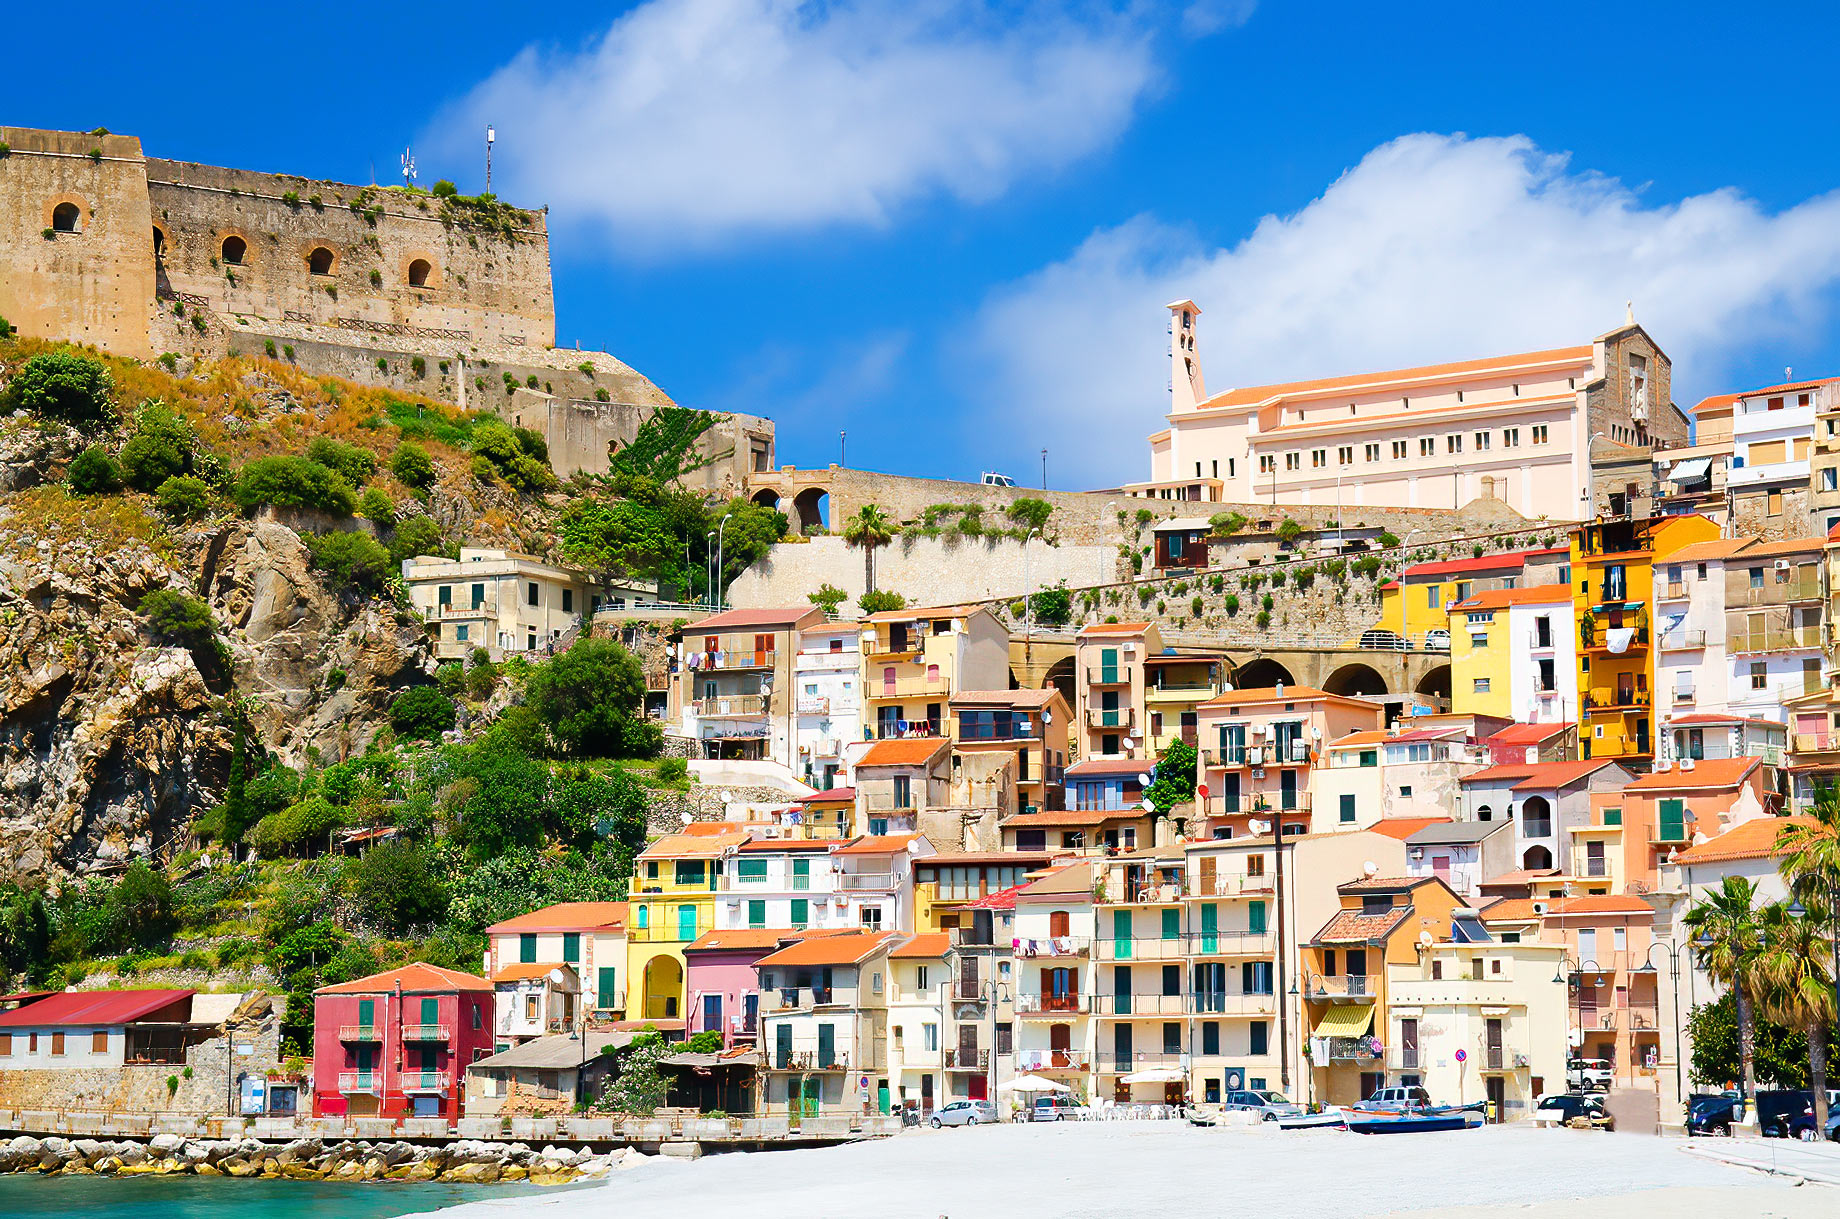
[{"x": 1462, "y": 1055}]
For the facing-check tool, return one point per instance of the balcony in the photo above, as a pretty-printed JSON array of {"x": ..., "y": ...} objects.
[
  {"x": 1233, "y": 886},
  {"x": 1098, "y": 675},
  {"x": 1052, "y": 1005},
  {"x": 814, "y": 1060},
  {"x": 1140, "y": 948},
  {"x": 1143, "y": 1060},
  {"x": 1227, "y": 1003},
  {"x": 740, "y": 660},
  {"x": 428, "y": 1082},
  {"x": 1349, "y": 1049},
  {"x": 1774, "y": 639},
  {"x": 1775, "y": 592},
  {"x": 1683, "y": 640},
  {"x": 1051, "y": 1060},
  {"x": 1118, "y": 717},
  {"x": 1608, "y": 699},
  {"x": 427, "y": 1032},
  {"x": 1596, "y": 636},
  {"x": 361, "y": 1083},
  {"x": 732, "y": 706},
  {"x": 796, "y": 998},
  {"x": 907, "y": 645},
  {"x": 907, "y": 685},
  {"x": 360, "y": 1032},
  {"x": 870, "y": 882},
  {"x": 1408, "y": 1059},
  {"x": 1054, "y": 946},
  {"x": 1342, "y": 986},
  {"x": 1228, "y": 944},
  {"x": 1130, "y": 1003},
  {"x": 1280, "y": 753},
  {"x": 962, "y": 1059}
]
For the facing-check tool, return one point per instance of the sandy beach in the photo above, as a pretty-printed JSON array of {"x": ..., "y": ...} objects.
[{"x": 1105, "y": 1170}]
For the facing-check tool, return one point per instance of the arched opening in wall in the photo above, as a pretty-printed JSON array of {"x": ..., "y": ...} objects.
[
  {"x": 418, "y": 273},
  {"x": 812, "y": 510},
  {"x": 1060, "y": 677},
  {"x": 1436, "y": 683},
  {"x": 1261, "y": 674},
  {"x": 1355, "y": 679},
  {"x": 64, "y": 217},
  {"x": 159, "y": 242},
  {"x": 1536, "y": 818},
  {"x": 1536, "y": 859},
  {"x": 235, "y": 248},
  {"x": 767, "y": 497},
  {"x": 319, "y": 262}
]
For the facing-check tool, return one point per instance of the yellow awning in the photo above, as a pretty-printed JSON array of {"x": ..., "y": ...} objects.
[{"x": 1352, "y": 1020}]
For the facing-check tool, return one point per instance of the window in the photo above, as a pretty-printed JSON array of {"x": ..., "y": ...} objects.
[
  {"x": 1510, "y": 438},
  {"x": 1399, "y": 450},
  {"x": 1345, "y": 455},
  {"x": 1371, "y": 452},
  {"x": 1453, "y": 444},
  {"x": 235, "y": 248},
  {"x": 460, "y": 634},
  {"x": 1539, "y": 433},
  {"x": 568, "y": 600},
  {"x": 1347, "y": 808},
  {"x": 1319, "y": 458},
  {"x": 57, "y": 1045},
  {"x": 98, "y": 1042},
  {"x": 1482, "y": 441},
  {"x": 418, "y": 273},
  {"x": 929, "y": 1035},
  {"x": 527, "y": 948},
  {"x": 319, "y": 262},
  {"x": 750, "y": 871},
  {"x": 1268, "y": 464},
  {"x": 571, "y": 947},
  {"x": 64, "y": 218},
  {"x": 1619, "y": 939},
  {"x": 1427, "y": 447},
  {"x": 801, "y": 912},
  {"x": 1760, "y": 679},
  {"x": 1773, "y": 502},
  {"x": 530, "y": 595},
  {"x": 1482, "y": 685},
  {"x": 1293, "y": 461},
  {"x": 1258, "y": 1038}
]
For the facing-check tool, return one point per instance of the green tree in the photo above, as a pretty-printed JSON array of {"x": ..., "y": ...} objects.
[
  {"x": 1030, "y": 513},
  {"x": 624, "y": 537},
  {"x": 663, "y": 447},
  {"x": 1289, "y": 530},
  {"x": 422, "y": 713},
  {"x": 510, "y": 459},
  {"x": 640, "y": 1085},
  {"x": 828, "y": 598},
  {"x": 93, "y": 472},
  {"x": 412, "y": 466},
  {"x": 397, "y": 888},
  {"x": 1052, "y": 606},
  {"x": 298, "y": 829},
  {"x": 160, "y": 448},
  {"x": 607, "y": 809},
  {"x": 1729, "y": 934},
  {"x": 348, "y": 461},
  {"x": 1226, "y": 524},
  {"x": 880, "y": 601},
  {"x": 1781, "y": 1053},
  {"x": 352, "y": 558},
  {"x": 176, "y": 617},
  {"x": 184, "y": 498},
  {"x": 417, "y": 535},
  {"x": 505, "y": 797},
  {"x": 1175, "y": 777},
  {"x": 67, "y": 386},
  {"x": 1796, "y": 986},
  {"x": 591, "y": 696},
  {"x": 375, "y": 505},
  {"x": 292, "y": 482},
  {"x": 870, "y": 527}
]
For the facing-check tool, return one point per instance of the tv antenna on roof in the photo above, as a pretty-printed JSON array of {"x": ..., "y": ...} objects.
[{"x": 408, "y": 167}]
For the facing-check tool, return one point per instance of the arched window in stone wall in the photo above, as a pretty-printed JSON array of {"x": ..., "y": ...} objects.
[
  {"x": 319, "y": 262},
  {"x": 64, "y": 217},
  {"x": 418, "y": 273},
  {"x": 235, "y": 248},
  {"x": 159, "y": 242}
]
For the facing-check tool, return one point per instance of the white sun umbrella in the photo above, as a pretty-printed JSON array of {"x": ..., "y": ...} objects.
[
  {"x": 1157, "y": 1075},
  {"x": 1032, "y": 1083}
]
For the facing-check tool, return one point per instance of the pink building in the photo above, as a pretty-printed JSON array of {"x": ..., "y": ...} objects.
[
  {"x": 1259, "y": 746},
  {"x": 397, "y": 1044},
  {"x": 719, "y": 977}
]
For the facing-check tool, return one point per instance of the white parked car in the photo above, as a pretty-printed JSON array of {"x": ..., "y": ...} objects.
[
  {"x": 1590, "y": 1074},
  {"x": 992, "y": 479},
  {"x": 965, "y": 1113}
]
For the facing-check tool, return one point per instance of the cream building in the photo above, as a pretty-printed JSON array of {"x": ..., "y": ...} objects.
[
  {"x": 1515, "y": 428},
  {"x": 503, "y": 601}
]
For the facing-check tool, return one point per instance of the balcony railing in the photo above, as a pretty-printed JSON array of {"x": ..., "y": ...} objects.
[
  {"x": 426, "y": 1081},
  {"x": 1681, "y": 640},
  {"x": 1606, "y": 698},
  {"x": 906, "y": 685},
  {"x": 360, "y": 1032},
  {"x": 1774, "y": 592},
  {"x": 1051, "y": 1060},
  {"x": 1231, "y": 1003},
  {"x": 1408, "y": 1059},
  {"x": 1139, "y": 948},
  {"x": 361, "y": 1083},
  {"x": 1815, "y": 742},
  {"x": 813, "y": 1060},
  {"x": 1342, "y": 986},
  {"x": 1290, "y": 753},
  {"x": 1351, "y": 1049},
  {"x": 740, "y": 660},
  {"x": 795, "y": 998},
  {"x": 1142, "y": 1060},
  {"x": 1774, "y": 639},
  {"x": 856, "y": 882},
  {"x": 426, "y": 1032},
  {"x": 731, "y": 706},
  {"x": 888, "y": 646},
  {"x": 960, "y": 1059},
  {"x": 1231, "y": 944},
  {"x": 1052, "y": 1005},
  {"x": 1098, "y": 675},
  {"x": 1494, "y": 1058},
  {"x": 1595, "y": 636},
  {"x": 1054, "y": 946},
  {"x": 1131, "y": 1003},
  {"x": 1117, "y": 717}
]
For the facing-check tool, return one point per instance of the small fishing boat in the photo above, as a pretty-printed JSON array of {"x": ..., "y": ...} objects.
[
  {"x": 1330, "y": 1115},
  {"x": 1412, "y": 1122}
]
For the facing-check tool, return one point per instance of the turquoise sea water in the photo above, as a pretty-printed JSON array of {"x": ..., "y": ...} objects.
[{"x": 186, "y": 1197}]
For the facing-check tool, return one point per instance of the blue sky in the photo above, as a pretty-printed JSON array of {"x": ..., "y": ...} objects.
[{"x": 948, "y": 227}]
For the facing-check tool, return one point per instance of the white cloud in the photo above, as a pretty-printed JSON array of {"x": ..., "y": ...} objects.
[
  {"x": 1204, "y": 17},
  {"x": 1432, "y": 248},
  {"x": 693, "y": 121}
]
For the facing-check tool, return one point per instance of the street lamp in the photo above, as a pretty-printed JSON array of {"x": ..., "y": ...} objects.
[
  {"x": 1673, "y": 957},
  {"x": 1564, "y": 975},
  {"x": 993, "y": 992}
]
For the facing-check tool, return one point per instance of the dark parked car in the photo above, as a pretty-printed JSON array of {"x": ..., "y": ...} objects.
[
  {"x": 1712, "y": 1115},
  {"x": 1790, "y": 1114},
  {"x": 1565, "y": 1106}
]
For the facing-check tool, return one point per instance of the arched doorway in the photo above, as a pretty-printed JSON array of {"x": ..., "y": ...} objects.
[
  {"x": 319, "y": 262},
  {"x": 1060, "y": 676},
  {"x": 1536, "y": 818},
  {"x": 159, "y": 242},
  {"x": 811, "y": 510},
  {"x": 235, "y": 250},
  {"x": 418, "y": 273},
  {"x": 1261, "y": 674},
  {"x": 1537, "y": 859},
  {"x": 1354, "y": 680},
  {"x": 767, "y": 497},
  {"x": 1435, "y": 683},
  {"x": 664, "y": 988}
]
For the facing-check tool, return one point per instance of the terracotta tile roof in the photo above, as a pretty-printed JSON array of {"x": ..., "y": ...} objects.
[
  {"x": 788, "y": 845},
  {"x": 1708, "y": 551},
  {"x": 924, "y": 611},
  {"x": 967, "y": 858},
  {"x": 927, "y": 946},
  {"x": 1720, "y": 717},
  {"x": 877, "y": 844},
  {"x": 847, "y": 949},
  {"x": 1072, "y": 816},
  {"x": 1502, "y": 598},
  {"x": 703, "y": 829},
  {"x": 567, "y": 916},
  {"x": 747, "y": 619},
  {"x": 1507, "y": 560},
  {"x": 1384, "y": 883},
  {"x": 1403, "y": 828},
  {"x": 1071, "y": 881},
  {"x": 834, "y": 795},
  {"x": 1520, "y": 909},
  {"x": 1007, "y": 698},
  {"x": 418, "y": 978},
  {"x": 1714, "y": 402},
  {"x": 1812, "y": 383},
  {"x": 87, "y": 1007},
  {"x": 1706, "y": 772},
  {"x": 907, "y": 751},
  {"x": 1538, "y": 776},
  {"x": 1786, "y": 546},
  {"x": 1374, "y": 737},
  {"x": 1753, "y": 839},
  {"x": 1354, "y": 927},
  {"x": 1097, "y": 767},
  {"x": 1267, "y": 694},
  {"x": 741, "y": 939},
  {"x": 1002, "y": 899},
  {"x": 1426, "y": 372},
  {"x": 1113, "y": 628},
  {"x": 529, "y": 971},
  {"x": 1528, "y": 734},
  {"x": 694, "y": 846},
  {"x": 1522, "y": 876}
]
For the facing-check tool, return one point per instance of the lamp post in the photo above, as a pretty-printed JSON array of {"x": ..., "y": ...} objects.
[
  {"x": 993, "y": 992},
  {"x": 1673, "y": 958},
  {"x": 1564, "y": 975},
  {"x": 721, "y": 593},
  {"x": 709, "y": 569},
  {"x": 1309, "y": 1081}
]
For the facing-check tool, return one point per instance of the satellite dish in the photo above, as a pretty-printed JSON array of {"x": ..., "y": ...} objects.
[
  {"x": 1144, "y": 779},
  {"x": 1258, "y": 827},
  {"x": 1370, "y": 868},
  {"x": 1047, "y": 716},
  {"x": 1147, "y": 807},
  {"x": 1424, "y": 937}
]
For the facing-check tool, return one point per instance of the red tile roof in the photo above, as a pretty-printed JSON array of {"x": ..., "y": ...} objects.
[
  {"x": 419, "y": 978},
  {"x": 1002, "y": 899},
  {"x": 927, "y": 946},
  {"x": 91, "y": 1007},
  {"x": 1528, "y": 734},
  {"x": 1115, "y": 628},
  {"x": 783, "y": 845},
  {"x": 567, "y": 916},
  {"x": 835, "y": 795},
  {"x": 1753, "y": 839},
  {"x": 747, "y": 619},
  {"x": 1403, "y": 828},
  {"x": 1506, "y": 560},
  {"x": 877, "y": 844},
  {"x": 1262, "y": 393},
  {"x": 1354, "y": 927},
  {"x": 1072, "y": 816},
  {"x": 1007, "y": 698},
  {"x": 1722, "y": 717},
  {"x": 1093, "y": 767},
  {"x": 1522, "y": 876},
  {"x": 694, "y": 845},
  {"x": 741, "y": 939},
  {"x": 846, "y": 949},
  {"x": 1538, "y": 776},
  {"x": 529, "y": 971},
  {"x": 1269, "y": 694},
  {"x": 911, "y": 751},
  {"x": 1706, "y": 772},
  {"x": 1501, "y": 598}
]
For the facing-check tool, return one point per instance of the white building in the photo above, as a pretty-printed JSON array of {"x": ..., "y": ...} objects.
[
  {"x": 865, "y": 884},
  {"x": 1376, "y": 774},
  {"x": 824, "y": 1024},
  {"x": 1542, "y": 655},
  {"x": 919, "y": 986},
  {"x": 590, "y": 937},
  {"x": 827, "y": 673},
  {"x": 1462, "y": 854},
  {"x": 1055, "y": 925},
  {"x": 531, "y": 1001},
  {"x": 503, "y": 601},
  {"x": 1772, "y": 430}
]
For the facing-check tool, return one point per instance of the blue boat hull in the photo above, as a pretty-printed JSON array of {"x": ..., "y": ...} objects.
[{"x": 1410, "y": 1123}]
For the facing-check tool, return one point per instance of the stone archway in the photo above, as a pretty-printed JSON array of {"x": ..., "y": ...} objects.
[
  {"x": 1355, "y": 679},
  {"x": 664, "y": 986},
  {"x": 767, "y": 497},
  {"x": 1261, "y": 673},
  {"x": 1060, "y": 677},
  {"x": 811, "y": 510},
  {"x": 1435, "y": 683}
]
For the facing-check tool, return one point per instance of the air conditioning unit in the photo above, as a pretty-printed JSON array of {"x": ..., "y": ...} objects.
[
  {"x": 1130, "y": 649},
  {"x": 1664, "y": 765},
  {"x": 1782, "y": 565},
  {"x": 1686, "y": 763},
  {"x": 1539, "y": 907}
]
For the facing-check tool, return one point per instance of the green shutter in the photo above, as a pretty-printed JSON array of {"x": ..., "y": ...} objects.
[
  {"x": 1673, "y": 821},
  {"x": 801, "y": 874},
  {"x": 1121, "y": 934},
  {"x": 1108, "y": 665},
  {"x": 801, "y": 911},
  {"x": 527, "y": 948},
  {"x": 367, "y": 1013},
  {"x": 1172, "y": 924},
  {"x": 751, "y": 869},
  {"x": 1347, "y": 808},
  {"x": 1370, "y": 757},
  {"x": 606, "y": 987},
  {"x": 571, "y": 947},
  {"x": 1210, "y": 926},
  {"x": 686, "y": 922},
  {"x": 1255, "y": 917},
  {"x": 1613, "y": 816},
  {"x": 757, "y": 913},
  {"x": 431, "y": 1011}
]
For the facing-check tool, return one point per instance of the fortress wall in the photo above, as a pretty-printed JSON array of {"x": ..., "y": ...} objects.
[{"x": 91, "y": 286}]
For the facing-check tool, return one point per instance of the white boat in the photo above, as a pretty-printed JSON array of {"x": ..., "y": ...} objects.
[{"x": 1330, "y": 1115}]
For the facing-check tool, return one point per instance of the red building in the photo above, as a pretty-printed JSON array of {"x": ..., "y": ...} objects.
[{"x": 397, "y": 1044}]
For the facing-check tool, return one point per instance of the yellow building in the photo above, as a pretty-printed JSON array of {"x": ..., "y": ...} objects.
[
  {"x": 914, "y": 660},
  {"x": 1511, "y": 654},
  {"x": 1419, "y": 602},
  {"x": 1612, "y": 571},
  {"x": 672, "y": 901}
]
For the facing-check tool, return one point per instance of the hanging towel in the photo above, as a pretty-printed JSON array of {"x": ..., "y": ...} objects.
[{"x": 1619, "y": 638}]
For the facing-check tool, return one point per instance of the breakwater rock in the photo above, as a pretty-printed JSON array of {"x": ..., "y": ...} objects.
[{"x": 465, "y": 1161}]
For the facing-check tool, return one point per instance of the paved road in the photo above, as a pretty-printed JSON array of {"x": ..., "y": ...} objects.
[{"x": 1812, "y": 1161}]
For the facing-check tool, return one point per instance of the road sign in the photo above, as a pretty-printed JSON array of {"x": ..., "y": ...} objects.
[{"x": 1462, "y": 1055}]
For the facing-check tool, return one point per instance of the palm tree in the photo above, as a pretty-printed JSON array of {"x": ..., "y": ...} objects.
[
  {"x": 1729, "y": 933},
  {"x": 1796, "y": 988},
  {"x": 869, "y": 528}
]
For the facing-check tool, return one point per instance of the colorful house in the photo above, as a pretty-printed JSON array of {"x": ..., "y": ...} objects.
[
  {"x": 736, "y": 692},
  {"x": 590, "y": 937},
  {"x": 1027, "y": 732},
  {"x": 823, "y": 1023},
  {"x": 920, "y": 979},
  {"x": 1511, "y": 655},
  {"x": 898, "y": 782},
  {"x": 914, "y": 660},
  {"x": 1544, "y": 800},
  {"x": 1175, "y": 686},
  {"x": 1259, "y": 747},
  {"x": 723, "y": 986},
  {"x": 675, "y": 885},
  {"x": 1110, "y": 683},
  {"x": 1055, "y": 926},
  {"x": 1419, "y": 603},
  {"x": 397, "y": 1044}
]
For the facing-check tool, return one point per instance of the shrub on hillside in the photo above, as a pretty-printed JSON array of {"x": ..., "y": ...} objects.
[
  {"x": 375, "y": 505},
  {"x": 298, "y": 829},
  {"x": 348, "y": 461},
  {"x": 422, "y": 712},
  {"x": 397, "y": 888},
  {"x": 176, "y": 617},
  {"x": 93, "y": 472},
  {"x": 881, "y": 601},
  {"x": 591, "y": 696},
  {"x": 416, "y": 535},
  {"x": 411, "y": 466},
  {"x": 351, "y": 558},
  {"x": 517, "y": 457},
  {"x": 184, "y": 498},
  {"x": 67, "y": 386},
  {"x": 292, "y": 482},
  {"x": 160, "y": 448}
]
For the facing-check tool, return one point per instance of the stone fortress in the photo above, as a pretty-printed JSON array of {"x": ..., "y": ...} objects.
[{"x": 445, "y": 297}]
